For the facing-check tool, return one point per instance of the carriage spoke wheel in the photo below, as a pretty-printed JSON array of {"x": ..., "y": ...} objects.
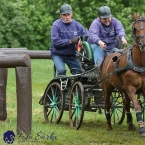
[
  {"x": 117, "y": 107},
  {"x": 53, "y": 103},
  {"x": 141, "y": 101},
  {"x": 76, "y": 105}
]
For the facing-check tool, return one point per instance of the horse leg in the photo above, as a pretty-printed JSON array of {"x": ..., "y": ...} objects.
[
  {"x": 137, "y": 108},
  {"x": 131, "y": 126},
  {"x": 140, "y": 120},
  {"x": 107, "y": 106}
]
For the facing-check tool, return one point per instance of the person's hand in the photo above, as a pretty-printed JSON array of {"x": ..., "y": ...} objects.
[
  {"x": 123, "y": 41},
  {"x": 74, "y": 40},
  {"x": 102, "y": 44}
]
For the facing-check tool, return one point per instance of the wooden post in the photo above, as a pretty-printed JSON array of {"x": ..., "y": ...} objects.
[
  {"x": 3, "y": 84},
  {"x": 24, "y": 99}
]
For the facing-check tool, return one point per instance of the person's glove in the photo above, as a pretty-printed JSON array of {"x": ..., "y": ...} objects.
[{"x": 74, "y": 40}]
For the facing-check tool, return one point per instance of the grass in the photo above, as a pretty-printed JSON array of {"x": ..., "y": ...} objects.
[{"x": 92, "y": 132}]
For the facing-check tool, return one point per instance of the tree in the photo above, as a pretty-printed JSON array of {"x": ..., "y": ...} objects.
[
  {"x": 27, "y": 23},
  {"x": 14, "y": 26}
]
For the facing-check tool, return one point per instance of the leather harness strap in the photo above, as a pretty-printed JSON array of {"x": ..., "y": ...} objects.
[{"x": 130, "y": 66}]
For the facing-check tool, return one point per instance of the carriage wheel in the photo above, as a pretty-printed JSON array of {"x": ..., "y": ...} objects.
[
  {"x": 76, "y": 105},
  {"x": 53, "y": 103},
  {"x": 141, "y": 101},
  {"x": 117, "y": 107}
]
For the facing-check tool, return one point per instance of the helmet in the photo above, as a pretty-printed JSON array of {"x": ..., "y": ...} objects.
[
  {"x": 65, "y": 9},
  {"x": 104, "y": 12}
]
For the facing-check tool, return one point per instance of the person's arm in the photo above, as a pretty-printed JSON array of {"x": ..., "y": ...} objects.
[
  {"x": 94, "y": 32},
  {"x": 120, "y": 31},
  {"x": 56, "y": 38}
]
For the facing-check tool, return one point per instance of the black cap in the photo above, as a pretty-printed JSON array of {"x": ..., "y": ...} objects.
[
  {"x": 65, "y": 9},
  {"x": 104, "y": 12}
]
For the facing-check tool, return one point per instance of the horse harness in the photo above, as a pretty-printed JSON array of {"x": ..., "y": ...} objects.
[
  {"x": 130, "y": 65},
  {"x": 137, "y": 39}
]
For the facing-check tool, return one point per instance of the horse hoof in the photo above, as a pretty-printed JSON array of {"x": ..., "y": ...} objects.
[
  {"x": 142, "y": 134},
  {"x": 131, "y": 127},
  {"x": 109, "y": 128},
  {"x": 142, "y": 131}
]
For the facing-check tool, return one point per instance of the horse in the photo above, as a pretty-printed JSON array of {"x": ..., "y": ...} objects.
[{"x": 129, "y": 76}]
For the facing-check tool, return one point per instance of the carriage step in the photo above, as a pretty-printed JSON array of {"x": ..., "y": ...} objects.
[
  {"x": 96, "y": 106},
  {"x": 116, "y": 106},
  {"x": 91, "y": 109},
  {"x": 92, "y": 85}
]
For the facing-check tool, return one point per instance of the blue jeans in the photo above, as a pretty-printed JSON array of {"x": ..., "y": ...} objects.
[
  {"x": 100, "y": 54},
  {"x": 73, "y": 65}
]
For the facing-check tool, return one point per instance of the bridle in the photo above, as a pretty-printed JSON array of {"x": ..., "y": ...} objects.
[{"x": 141, "y": 45}]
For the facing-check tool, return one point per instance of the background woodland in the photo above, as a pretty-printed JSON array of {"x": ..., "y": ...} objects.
[{"x": 27, "y": 23}]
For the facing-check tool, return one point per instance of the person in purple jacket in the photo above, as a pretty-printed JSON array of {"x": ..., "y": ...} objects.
[
  {"x": 65, "y": 34},
  {"x": 102, "y": 34}
]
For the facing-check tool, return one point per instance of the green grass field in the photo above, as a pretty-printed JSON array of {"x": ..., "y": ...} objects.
[{"x": 92, "y": 132}]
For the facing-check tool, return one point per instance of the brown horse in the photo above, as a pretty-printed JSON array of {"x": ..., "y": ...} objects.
[{"x": 129, "y": 77}]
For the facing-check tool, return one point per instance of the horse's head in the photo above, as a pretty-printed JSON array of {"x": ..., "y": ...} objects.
[{"x": 139, "y": 30}]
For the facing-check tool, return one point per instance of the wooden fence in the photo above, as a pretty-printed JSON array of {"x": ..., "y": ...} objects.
[{"x": 19, "y": 58}]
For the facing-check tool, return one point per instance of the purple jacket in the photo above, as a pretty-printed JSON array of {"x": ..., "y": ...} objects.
[
  {"x": 61, "y": 34},
  {"x": 107, "y": 34}
]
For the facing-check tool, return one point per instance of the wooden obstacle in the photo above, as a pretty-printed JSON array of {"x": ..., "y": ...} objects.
[
  {"x": 19, "y": 58},
  {"x": 34, "y": 54}
]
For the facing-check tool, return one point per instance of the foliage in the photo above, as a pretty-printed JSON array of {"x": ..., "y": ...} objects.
[
  {"x": 15, "y": 29},
  {"x": 27, "y": 23}
]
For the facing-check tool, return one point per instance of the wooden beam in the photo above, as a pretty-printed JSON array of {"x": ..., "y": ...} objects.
[
  {"x": 34, "y": 54},
  {"x": 11, "y": 60}
]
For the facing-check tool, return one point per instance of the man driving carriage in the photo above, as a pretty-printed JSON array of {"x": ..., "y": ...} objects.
[
  {"x": 64, "y": 37},
  {"x": 102, "y": 34}
]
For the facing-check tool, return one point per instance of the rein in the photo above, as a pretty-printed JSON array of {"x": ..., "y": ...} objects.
[{"x": 130, "y": 66}]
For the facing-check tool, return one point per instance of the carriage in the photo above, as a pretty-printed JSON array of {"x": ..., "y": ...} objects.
[{"x": 82, "y": 92}]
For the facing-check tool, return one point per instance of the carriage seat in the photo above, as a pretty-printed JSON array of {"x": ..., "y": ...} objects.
[
  {"x": 85, "y": 55},
  {"x": 87, "y": 50},
  {"x": 87, "y": 58}
]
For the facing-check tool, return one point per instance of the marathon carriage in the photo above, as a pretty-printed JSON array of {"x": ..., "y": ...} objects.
[{"x": 81, "y": 92}]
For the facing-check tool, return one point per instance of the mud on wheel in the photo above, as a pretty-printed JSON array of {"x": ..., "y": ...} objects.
[
  {"x": 76, "y": 105},
  {"x": 53, "y": 105}
]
